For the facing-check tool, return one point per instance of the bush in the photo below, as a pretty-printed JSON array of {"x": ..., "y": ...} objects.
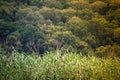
[{"x": 57, "y": 66}]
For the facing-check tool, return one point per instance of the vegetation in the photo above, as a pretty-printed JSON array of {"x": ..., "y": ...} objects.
[
  {"x": 58, "y": 66},
  {"x": 38, "y": 26},
  {"x": 90, "y": 28}
]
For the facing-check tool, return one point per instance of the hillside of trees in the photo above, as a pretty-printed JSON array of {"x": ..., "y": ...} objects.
[
  {"x": 91, "y": 27},
  {"x": 59, "y": 39}
]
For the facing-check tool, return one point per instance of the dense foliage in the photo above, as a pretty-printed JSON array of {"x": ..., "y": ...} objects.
[
  {"x": 72, "y": 39},
  {"x": 89, "y": 26},
  {"x": 58, "y": 66}
]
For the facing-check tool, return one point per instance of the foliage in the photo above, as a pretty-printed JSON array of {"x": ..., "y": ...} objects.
[
  {"x": 50, "y": 14},
  {"x": 46, "y": 25},
  {"x": 80, "y": 4},
  {"x": 108, "y": 51},
  {"x": 83, "y": 37},
  {"x": 99, "y": 6},
  {"x": 57, "y": 66},
  {"x": 29, "y": 15},
  {"x": 100, "y": 28}
]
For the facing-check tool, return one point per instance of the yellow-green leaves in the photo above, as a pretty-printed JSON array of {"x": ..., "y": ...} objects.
[{"x": 58, "y": 66}]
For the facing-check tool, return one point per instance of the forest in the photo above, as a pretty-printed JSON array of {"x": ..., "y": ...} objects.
[{"x": 59, "y": 39}]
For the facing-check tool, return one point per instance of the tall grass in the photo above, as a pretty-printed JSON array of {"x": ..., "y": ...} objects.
[{"x": 57, "y": 66}]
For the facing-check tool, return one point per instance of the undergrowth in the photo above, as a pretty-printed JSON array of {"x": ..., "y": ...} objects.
[{"x": 57, "y": 66}]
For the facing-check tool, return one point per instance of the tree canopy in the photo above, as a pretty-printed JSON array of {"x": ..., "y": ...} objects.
[{"x": 44, "y": 25}]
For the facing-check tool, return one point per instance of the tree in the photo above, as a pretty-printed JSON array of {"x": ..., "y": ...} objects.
[
  {"x": 99, "y": 6},
  {"x": 13, "y": 43},
  {"x": 48, "y": 3},
  {"x": 77, "y": 26},
  {"x": 117, "y": 35},
  {"x": 29, "y": 15},
  {"x": 31, "y": 39},
  {"x": 67, "y": 14},
  {"x": 114, "y": 24},
  {"x": 114, "y": 4},
  {"x": 20, "y": 2},
  {"x": 91, "y": 1},
  {"x": 57, "y": 36},
  {"x": 108, "y": 51},
  {"x": 100, "y": 28},
  {"x": 7, "y": 10},
  {"x": 79, "y": 5},
  {"x": 66, "y": 38},
  {"x": 64, "y": 3},
  {"x": 51, "y": 14},
  {"x": 86, "y": 14},
  {"x": 6, "y": 28},
  {"x": 113, "y": 15},
  {"x": 80, "y": 29}
]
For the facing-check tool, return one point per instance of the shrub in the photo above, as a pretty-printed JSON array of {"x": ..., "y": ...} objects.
[{"x": 58, "y": 66}]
